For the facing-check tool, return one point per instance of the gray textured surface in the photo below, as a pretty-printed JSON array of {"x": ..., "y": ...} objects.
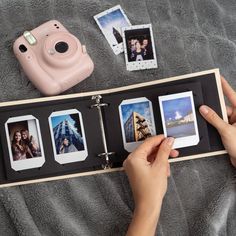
[{"x": 190, "y": 35}]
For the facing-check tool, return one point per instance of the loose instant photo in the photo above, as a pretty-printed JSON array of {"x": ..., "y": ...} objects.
[
  {"x": 137, "y": 122},
  {"x": 68, "y": 137},
  {"x": 139, "y": 47},
  {"x": 179, "y": 119},
  {"x": 111, "y": 22},
  {"x": 24, "y": 143}
]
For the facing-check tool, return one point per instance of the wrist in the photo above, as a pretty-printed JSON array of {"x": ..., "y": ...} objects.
[
  {"x": 148, "y": 208},
  {"x": 145, "y": 219}
]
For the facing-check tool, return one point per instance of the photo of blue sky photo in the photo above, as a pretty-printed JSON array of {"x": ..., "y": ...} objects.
[
  {"x": 179, "y": 117},
  {"x": 109, "y": 22},
  {"x": 175, "y": 109},
  {"x": 143, "y": 108}
]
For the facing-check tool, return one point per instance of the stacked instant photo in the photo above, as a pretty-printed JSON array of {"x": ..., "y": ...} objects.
[{"x": 136, "y": 42}]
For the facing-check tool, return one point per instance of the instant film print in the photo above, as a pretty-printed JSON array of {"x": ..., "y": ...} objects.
[
  {"x": 24, "y": 143},
  {"x": 68, "y": 137},
  {"x": 137, "y": 122},
  {"x": 139, "y": 47},
  {"x": 111, "y": 22},
  {"x": 179, "y": 119}
]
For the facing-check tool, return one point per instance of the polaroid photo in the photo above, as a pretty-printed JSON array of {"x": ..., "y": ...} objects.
[
  {"x": 24, "y": 143},
  {"x": 111, "y": 22},
  {"x": 139, "y": 47},
  {"x": 137, "y": 122},
  {"x": 68, "y": 136},
  {"x": 179, "y": 119}
]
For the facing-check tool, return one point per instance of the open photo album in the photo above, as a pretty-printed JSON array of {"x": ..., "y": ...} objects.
[{"x": 67, "y": 136}]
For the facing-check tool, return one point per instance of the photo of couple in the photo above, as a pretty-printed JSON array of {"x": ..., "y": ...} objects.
[
  {"x": 24, "y": 140},
  {"x": 139, "y": 49},
  {"x": 139, "y": 45}
]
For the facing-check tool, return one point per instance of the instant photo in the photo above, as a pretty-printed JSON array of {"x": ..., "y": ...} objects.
[
  {"x": 137, "y": 122},
  {"x": 139, "y": 47},
  {"x": 179, "y": 119},
  {"x": 24, "y": 143},
  {"x": 68, "y": 137},
  {"x": 111, "y": 23}
]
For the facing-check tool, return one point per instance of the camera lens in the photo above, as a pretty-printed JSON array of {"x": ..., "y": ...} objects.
[
  {"x": 61, "y": 47},
  {"x": 22, "y": 48}
]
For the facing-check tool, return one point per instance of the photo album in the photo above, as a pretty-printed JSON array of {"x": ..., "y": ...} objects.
[{"x": 73, "y": 135}]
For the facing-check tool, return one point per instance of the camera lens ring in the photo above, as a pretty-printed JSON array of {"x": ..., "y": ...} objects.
[{"x": 61, "y": 47}]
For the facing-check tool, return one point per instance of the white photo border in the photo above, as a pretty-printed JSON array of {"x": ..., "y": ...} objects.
[
  {"x": 183, "y": 141},
  {"x": 72, "y": 156},
  {"x": 131, "y": 146},
  {"x": 140, "y": 65},
  {"x": 119, "y": 48},
  {"x": 26, "y": 164}
]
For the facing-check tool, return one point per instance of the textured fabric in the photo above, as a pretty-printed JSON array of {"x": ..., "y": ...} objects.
[{"x": 190, "y": 36}]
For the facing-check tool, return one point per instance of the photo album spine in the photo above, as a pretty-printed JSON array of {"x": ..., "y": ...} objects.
[{"x": 99, "y": 105}]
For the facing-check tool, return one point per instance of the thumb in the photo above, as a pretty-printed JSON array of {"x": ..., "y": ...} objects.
[
  {"x": 213, "y": 118},
  {"x": 164, "y": 152}
]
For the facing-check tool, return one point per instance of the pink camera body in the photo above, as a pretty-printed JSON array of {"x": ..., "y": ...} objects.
[{"x": 52, "y": 58}]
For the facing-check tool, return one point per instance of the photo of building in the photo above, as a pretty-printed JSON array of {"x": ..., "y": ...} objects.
[
  {"x": 137, "y": 120},
  {"x": 137, "y": 128},
  {"x": 117, "y": 35}
]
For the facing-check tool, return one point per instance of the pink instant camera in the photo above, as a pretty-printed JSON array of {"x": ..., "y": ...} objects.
[{"x": 52, "y": 58}]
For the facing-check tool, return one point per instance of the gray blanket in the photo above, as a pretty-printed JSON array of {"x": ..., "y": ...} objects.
[{"x": 190, "y": 36}]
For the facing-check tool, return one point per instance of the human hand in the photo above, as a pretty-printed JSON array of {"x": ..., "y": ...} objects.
[
  {"x": 148, "y": 169},
  {"x": 226, "y": 131}
]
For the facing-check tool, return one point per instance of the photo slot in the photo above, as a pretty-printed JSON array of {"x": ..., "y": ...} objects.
[
  {"x": 111, "y": 23},
  {"x": 179, "y": 119},
  {"x": 139, "y": 47},
  {"x": 24, "y": 143},
  {"x": 137, "y": 122},
  {"x": 68, "y": 136}
]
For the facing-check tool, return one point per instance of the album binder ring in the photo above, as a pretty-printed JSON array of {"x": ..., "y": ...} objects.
[{"x": 105, "y": 154}]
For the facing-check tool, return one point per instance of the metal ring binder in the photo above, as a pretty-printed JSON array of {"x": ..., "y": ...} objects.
[{"x": 105, "y": 154}]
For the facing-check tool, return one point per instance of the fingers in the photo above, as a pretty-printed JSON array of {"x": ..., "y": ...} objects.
[
  {"x": 164, "y": 152},
  {"x": 147, "y": 147},
  {"x": 229, "y": 110},
  {"x": 228, "y": 91},
  {"x": 174, "y": 153},
  {"x": 151, "y": 158},
  {"x": 213, "y": 118},
  {"x": 168, "y": 170}
]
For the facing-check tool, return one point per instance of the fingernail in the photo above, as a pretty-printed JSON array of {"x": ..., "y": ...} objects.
[
  {"x": 170, "y": 141},
  {"x": 204, "y": 110}
]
